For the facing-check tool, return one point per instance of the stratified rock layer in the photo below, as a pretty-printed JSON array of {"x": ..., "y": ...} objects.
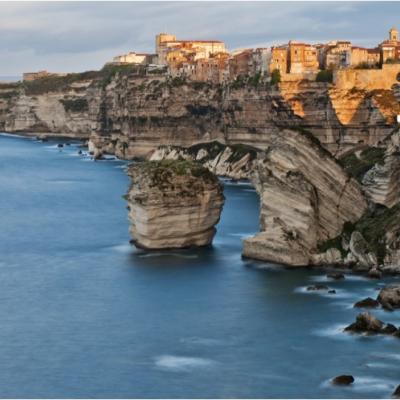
[
  {"x": 173, "y": 204},
  {"x": 306, "y": 197},
  {"x": 235, "y": 162}
]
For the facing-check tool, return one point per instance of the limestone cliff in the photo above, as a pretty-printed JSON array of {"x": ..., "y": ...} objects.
[
  {"x": 173, "y": 204},
  {"x": 130, "y": 114},
  {"x": 306, "y": 198}
]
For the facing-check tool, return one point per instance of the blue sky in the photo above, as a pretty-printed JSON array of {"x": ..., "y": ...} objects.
[{"x": 77, "y": 36}]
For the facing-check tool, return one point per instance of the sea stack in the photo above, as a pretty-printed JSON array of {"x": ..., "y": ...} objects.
[{"x": 173, "y": 204}]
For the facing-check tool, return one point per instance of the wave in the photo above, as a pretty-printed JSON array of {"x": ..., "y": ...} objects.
[
  {"x": 178, "y": 363},
  {"x": 367, "y": 384},
  {"x": 167, "y": 254},
  {"x": 202, "y": 341},
  {"x": 15, "y": 135}
]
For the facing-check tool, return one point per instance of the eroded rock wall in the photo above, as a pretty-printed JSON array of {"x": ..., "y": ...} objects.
[
  {"x": 306, "y": 197},
  {"x": 173, "y": 204},
  {"x": 131, "y": 115}
]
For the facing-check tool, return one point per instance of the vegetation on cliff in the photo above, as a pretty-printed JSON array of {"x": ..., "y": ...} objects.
[
  {"x": 325, "y": 76},
  {"x": 161, "y": 174},
  {"x": 357, "y": 164},
  {"x": 373, "y": 225},
  {"x": 75, "y": 105}
]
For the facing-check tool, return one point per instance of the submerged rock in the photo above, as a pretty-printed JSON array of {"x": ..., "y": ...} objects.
[
  {"x": 389, "y": 297},
  {"x": 374, "y": 273},
  {"x": 367, "y": 303},
  {"x": 173, "y": 204},
  {"x": 317, "y": 287},
  {"x": 343, "y": 380},
  {"x": 335, "y": 275}
]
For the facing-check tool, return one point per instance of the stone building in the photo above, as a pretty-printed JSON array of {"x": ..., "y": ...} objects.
[
  {"x": 390, "y": 48},
  {"x": 302, "y": 57},
  {"x": 362, "y": 56},
  {"x": 166, "y": 43},
  {"x": 335, "y": 55},
  {"x": 279, "y": 59},
  {"x": 31, "y": 76},
  {"x": 135, "y": 58},
  {"x": 261, "y": 60},
  {"x": 239, "y": 63}
]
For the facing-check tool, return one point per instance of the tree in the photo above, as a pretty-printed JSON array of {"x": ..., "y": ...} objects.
[
  {"x": 325, "y": 76},
  {"x": 275, "y": 76}
]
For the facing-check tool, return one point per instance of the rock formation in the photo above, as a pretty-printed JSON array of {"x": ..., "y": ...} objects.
[
  {"x": 389, "y": 297},
  {"x": 343, "y": 380},
  {"x": 306, "y": 198},
  {"x": 235, "y": 162},
  {"x": 173, "y": 204},
  {"x": 381, "y": 181},
  {"x": 367, "y": 303},
  {"x": 368, "y": 324},
  {"x": 129, "y": 114}
]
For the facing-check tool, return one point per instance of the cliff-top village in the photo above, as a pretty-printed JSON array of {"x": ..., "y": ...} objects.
[{"x": 209, "y": 60}]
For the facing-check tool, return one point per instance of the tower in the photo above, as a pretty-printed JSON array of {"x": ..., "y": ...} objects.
[
  {"x": 394, "y": 34},
  {"x": 161, "y": 38}
]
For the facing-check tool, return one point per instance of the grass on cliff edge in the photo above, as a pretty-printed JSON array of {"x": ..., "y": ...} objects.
[{"x": 161, "y": 172}]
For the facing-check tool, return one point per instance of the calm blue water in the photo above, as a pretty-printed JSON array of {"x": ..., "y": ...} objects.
[{"x": 82, "y": 314}]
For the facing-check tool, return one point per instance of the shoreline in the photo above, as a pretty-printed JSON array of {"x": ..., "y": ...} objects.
[{"x": 47, "y": 135}]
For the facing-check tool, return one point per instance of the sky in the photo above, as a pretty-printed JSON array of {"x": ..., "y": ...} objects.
[{"x": 80, "y": 36}]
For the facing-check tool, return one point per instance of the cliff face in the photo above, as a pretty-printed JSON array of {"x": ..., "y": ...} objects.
[
  {"x": 306, "y": 197},
  {"x": 130, "y": 115},
  {"x": 173, "y": 204},
  {"x": 318, "y": 210},
  {"x": 68, "y": 110}
]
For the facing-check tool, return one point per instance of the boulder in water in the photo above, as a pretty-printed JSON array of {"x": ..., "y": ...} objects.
[
  {"x": 343, "y": 380},
  {"x": 389, "y": 297},
  {"x": 367, "y": 303},
  {"x": 335, "y": 275},
  {"x": 365, "y": 323}
]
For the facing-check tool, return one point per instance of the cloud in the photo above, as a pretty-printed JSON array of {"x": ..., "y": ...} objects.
[{"x": 75, "y": 36}]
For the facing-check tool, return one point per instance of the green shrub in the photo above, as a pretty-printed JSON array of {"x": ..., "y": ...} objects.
[
  {"x": 325, "y": 75},
  {"x": 75, "y": 105},
  {"x": 275, "y": 76},
  {"x": 357, "y": 167}
]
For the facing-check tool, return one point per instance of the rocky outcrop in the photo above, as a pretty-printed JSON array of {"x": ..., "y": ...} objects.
[
  {"x": 381, "y": 181},
  {"x": 359, "y": 249},
  {"x": 372, "y": 244},
  {"x": 389, "y": 297},
  {"x": 235, "y": 162},
  {"x": 367, "y": 303},
  {"x": 365, "y": 323},
  {"x": 368, "y": 324},
  {"x": 306, "y": 198},
  {"x": 343, "y": 380},
  {"x": 173, "y": 204}
]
